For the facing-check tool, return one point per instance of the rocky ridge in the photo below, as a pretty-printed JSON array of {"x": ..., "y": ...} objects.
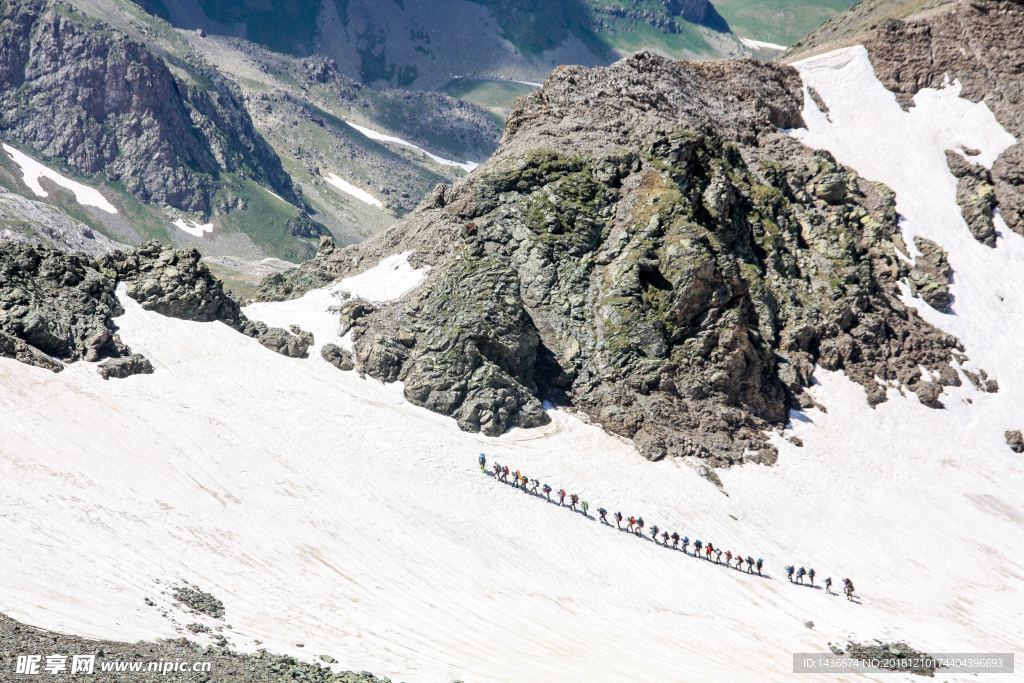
[
  {"x": 648, "y": 248},
  {"x": 57, "y": 307}
]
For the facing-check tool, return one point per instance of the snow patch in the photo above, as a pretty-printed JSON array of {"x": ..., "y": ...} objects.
[
  {"x": 32, "y": 171},
  {"x": 316, "y": 310},
  {"x": 761, "y": 44},
  {"x": 192, "y": 227},
  {"x": 351, "y": 190},
  {"x": 381, "y": 137}
]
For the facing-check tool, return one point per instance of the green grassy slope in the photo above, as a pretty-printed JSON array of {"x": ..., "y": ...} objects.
[{"x": 778, "y": 21}]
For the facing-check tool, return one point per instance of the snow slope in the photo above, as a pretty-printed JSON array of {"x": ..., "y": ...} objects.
[
  {"x": 324, "y": 509},
  {"x": 353, "y": 191},
  {"x": 32, "y": 171},
  {"x": 761, "y": 44}
]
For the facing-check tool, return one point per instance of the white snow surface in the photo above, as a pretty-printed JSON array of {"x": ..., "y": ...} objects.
[
  {"x": 32, "y": 171},
  {"x": 760, "y": 44},
  {"x": 353, "y": 191},
  {"x": 315, "y": 311},
  {"x": 324, "y": 509},
  {"x": 382, "y": 137},
  {"x": 192, "y": 227}
]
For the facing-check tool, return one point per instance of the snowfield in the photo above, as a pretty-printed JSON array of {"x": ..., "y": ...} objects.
[
  {"x": 759, "y": 45},
  {"x": 32, "y": 171},
  {"x": 326, "y": 510}
]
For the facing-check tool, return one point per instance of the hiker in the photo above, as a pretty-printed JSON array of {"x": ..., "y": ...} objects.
[
  {"x": 497, "y": 470},
  {"x": 750, "y": 564},
  {"x": 573, "y": 499},
  {"x": 760, "y": 564},
  {"x": 739, "y": 561},
  {"x": 504, "y": 474},
  {"x": 789, "y": 572},
  {"x": 828, "y": 585},
  {"x": 630, "y": 522},
  {"x": 518, "y": 477},
  {"x": 547, "y": 492},
  {"x": 697, "y": 545},
  {"x": 561, "y": 496},
  {"x": 708, "y": 550},
  {"x": 800, "y": 574},
  {"x": 675, "y": 540},
  {"x": 639, "y": 526},
  {"x": 586, "y": 507},
  {"x": 533, "y": 487},
  {"x": 618, "y": 520},
  {"x": 483, "y": 462},
  {"x": 718, "y": 556},
  {"x": 810, "y": 575},
  {"x": 686, "y": 544},
  {"x": 664, "y": 538},
  {"x": 728, "y": 558},
  {"x": 603, "y": 514},
  {"x": 654, "y": 533},
  {"x": 848, "y": 589}
]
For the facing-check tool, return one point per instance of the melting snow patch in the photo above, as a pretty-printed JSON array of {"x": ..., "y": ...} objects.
[
  {"x": 32, "y": 171},
  {"x": 350, "y": 189},
  {"x": 761, "y": 44},
  {"x": 381, "y": 137},
  {"x": 316, "y": 310},
  {"x": 193, "y": 228}
]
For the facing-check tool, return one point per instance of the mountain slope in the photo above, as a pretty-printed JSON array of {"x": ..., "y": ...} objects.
[{"x": 674, "y": 268}]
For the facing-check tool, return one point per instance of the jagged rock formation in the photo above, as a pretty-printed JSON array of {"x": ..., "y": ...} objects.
[
  {"x": 1015, "y": 440},
  {"x": 929, "y": 278},
  {"x": 57, "y": 307},
  {"x": 104, "y": 104},
  {"x": 648, "y": 248},
  {"x": 976, "y": 197},
  {"x": 337, "y": 356},
  {"x": 916, "y": 45}
]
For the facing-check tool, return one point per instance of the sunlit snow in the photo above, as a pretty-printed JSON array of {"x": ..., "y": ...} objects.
[
  {"x": 381, "y": 137},
  {"x": 32, "y": 171},
  {"x": 353, "y": 191},
  {"x": 192, "y": 227},
  {"x": 326, "y": 510}
]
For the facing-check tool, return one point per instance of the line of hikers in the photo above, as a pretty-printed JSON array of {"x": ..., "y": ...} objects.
[
  {"x": 635, "y": 525},
  {"x": 809, "y": 573}
]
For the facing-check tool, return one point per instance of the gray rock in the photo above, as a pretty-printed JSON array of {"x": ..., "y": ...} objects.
[
  {"x": 337, "y": 356},
  {"x": 135, "y": 364},
  {"x": 198, "y": 600},
  {"x": 931, "y": 274},
  {"x": 1015, "y": 440}
]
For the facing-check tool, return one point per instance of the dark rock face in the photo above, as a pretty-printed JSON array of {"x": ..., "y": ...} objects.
[
  {"x": 929, "y": 278},
  {"x": 55, "y": 307},
  {"x": 107, "y": 105},
  {"x": 1015, "y": 440},
  {"x": 975, "y": 193},
  {"x": 135, "y": 364},
  {"x": 337, "y": 356},
  {"x": 648, "y": 248}
]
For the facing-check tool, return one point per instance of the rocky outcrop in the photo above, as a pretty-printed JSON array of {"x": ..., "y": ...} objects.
[
  {"x": 55, "y": 307},
  {"x": 1015, "y": 440},
  {"x": 930, "y": 276},
  {"x": 135, "y": 364},
  {"x": 103, "y": 104},
  {"x": 974, "y": 42},
  {"x": 647, "y": 248},
  {"x": 975, "y": 193},
  {"x": 338, "y": 357}
]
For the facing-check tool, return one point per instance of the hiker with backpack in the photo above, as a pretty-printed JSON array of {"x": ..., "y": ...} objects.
[
  {"x": 789, "y": 572},
  {"x": 686, "y": 544},
  {"x": 603, "y": 514},
  {"x": 848, "y": 589},
  {"x": 585, "y": 506},
  {"x": 547, "y": 492},
  {"x": 800, "y": 574},
  {"x": 533, "y": 486},
  {"x": 675, "y": 540},
  {"x": 750, "y": 564},
  {"x": 810, "y": 575},
  {"x": 697, "y": 545},
  {"x": 483, "y": 462},
  {"x": 760, "y": 564},
  {"x": 639, "y": 526},
  {"x": 618, "y": 520},
  {"x": 654, "y": 533},
  {"x": 828, "y": 585},
  {"x": 710, "y": 548},
  {"x": 561, "y": 496}
]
